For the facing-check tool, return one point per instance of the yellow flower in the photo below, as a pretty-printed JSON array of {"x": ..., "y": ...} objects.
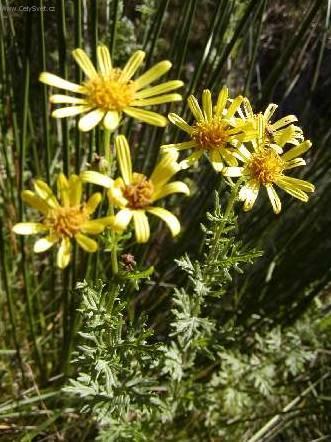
[
  {"x": 108, "y": 91},
  {"x": 214, "y": 131},
  {"x": 265, "y": 167},
  {"x": 135, "y": 194},
  {"x": 63, "y": 219},
  {"x": 277, "y": 134}
]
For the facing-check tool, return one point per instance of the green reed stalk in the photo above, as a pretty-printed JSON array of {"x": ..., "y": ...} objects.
[
  {"x": 113, "y": 31},
  {"x": 184, "y": 36},
  {"x": 78, "y": 76},
  {"x": 205, "y": 54},
  {"x": 10, "y": 299},
  {"x": 61, "y": 26},
  {"x": 239, "y": 31},
  {"x": 156, "y": 30},
  {"x": 294, "y": 43},
  {"x": 26, "y": 286},
  {"x": 256, "y": 40}
]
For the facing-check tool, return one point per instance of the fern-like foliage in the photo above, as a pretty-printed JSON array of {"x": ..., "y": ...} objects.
[{"x": 114, "y": 359}]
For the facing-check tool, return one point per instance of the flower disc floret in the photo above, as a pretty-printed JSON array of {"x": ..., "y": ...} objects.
[
  {"x": 66, "y": 221},
  {"x": 110, "y": 92},
  {"x": 139, "y": 193},
  {"x": 212, "y": 134},
  {"x": 265, "y": 166}
]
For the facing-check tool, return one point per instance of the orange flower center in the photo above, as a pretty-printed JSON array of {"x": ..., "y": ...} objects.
[
  {"x": 66, "y": 221},
  {"x": 265, "y": 166},
  {"x": 111, "y": 92},
  {"x": 211, "y": 134},
  {"x": 139, "y": 193}
]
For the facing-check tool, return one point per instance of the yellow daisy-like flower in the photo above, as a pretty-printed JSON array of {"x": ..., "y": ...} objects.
[
  {"x": 277, "y": 134},
  {"x": 265, "y": 167},
  {"x": 215, "y": 131},
  {"x": 108, "y": 91},
  {"x": 63, "y": 219},
  {"x": 135, "y": 194}
]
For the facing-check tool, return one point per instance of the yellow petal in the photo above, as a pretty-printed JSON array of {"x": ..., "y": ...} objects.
[
  {"x": 248, "y": 110},
  {"x": 65, "y": 99},
  {"x": 179, "y": 122},
  {"x": 115, "y": 194},
  {"x": 122, "y": 219},
  {"x": 63, "y": 189},
  {"x": 104, "y": 60},
  {"x": 165, "y": 169},
  {"x": 166, "y": 216},
  {"x": 54, "y": 80},
  {"x": 141, "y": 226},
  {"x": 296, "y": 162},
  {"x": 290, "y": 134},
  {"x": 35, "y": 201},
  {"x": 297, "y": 183},
  {"x": 242, "y": 153},
  {"x": 132, "y": 65},
  {"x": 84, "y": 62},
  {"x": 228, "y": 156},
  {"x": 153, "y": 74},
  {"x": 124, "y": 158},
  {"x": 75, "y": 190},
  {"x": 216, "y": 160},
  {"x": 162, "y": 88},
  {"x": 111, "y": 120},
  {"x": 90, "y": 120},
  {"x": 86, "y": 243},
  {"x": 248, "y": 194},
  {"x": 207, "y": 104},
  {"x": 107, "y": 221},
  {"x": 170, "y": 188},
  {"x": 29, "y": 228},
  {"x": 234, "y": 106},
  {"x": 92, "y": 227},
  {"x": 157, "y": 100},
  {"x": 146, "y": 116},
  {"x": 45, "y": 193},
  {"x": 191, "y": 159},
  {"x": 63, "y": 254},
  {"x": 179, "y": 146},
  {"x": 270, "y": 110},
  {"x": 274, "y": 199},
  {"x": 70, "y": 111},
  {"x": 285, "y": 121},
  {"x": 43, "y": 244},
  {"x": 232, "y": 171},
  {"x": 89, "y": 176},
  {"x": 221, "y": 101},
  {"x": 296, "y": 151},
  {"x": 293, "y": 191},
  {"x": 93, "y": 202},
  {"x": 195, "y": 108}
]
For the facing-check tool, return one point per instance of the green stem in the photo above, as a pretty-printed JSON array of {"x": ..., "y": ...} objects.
[
  {"x": 220, "y": 229},
  {"x": 106, "y": 147},
  {"x": 109, "y": 159}
]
